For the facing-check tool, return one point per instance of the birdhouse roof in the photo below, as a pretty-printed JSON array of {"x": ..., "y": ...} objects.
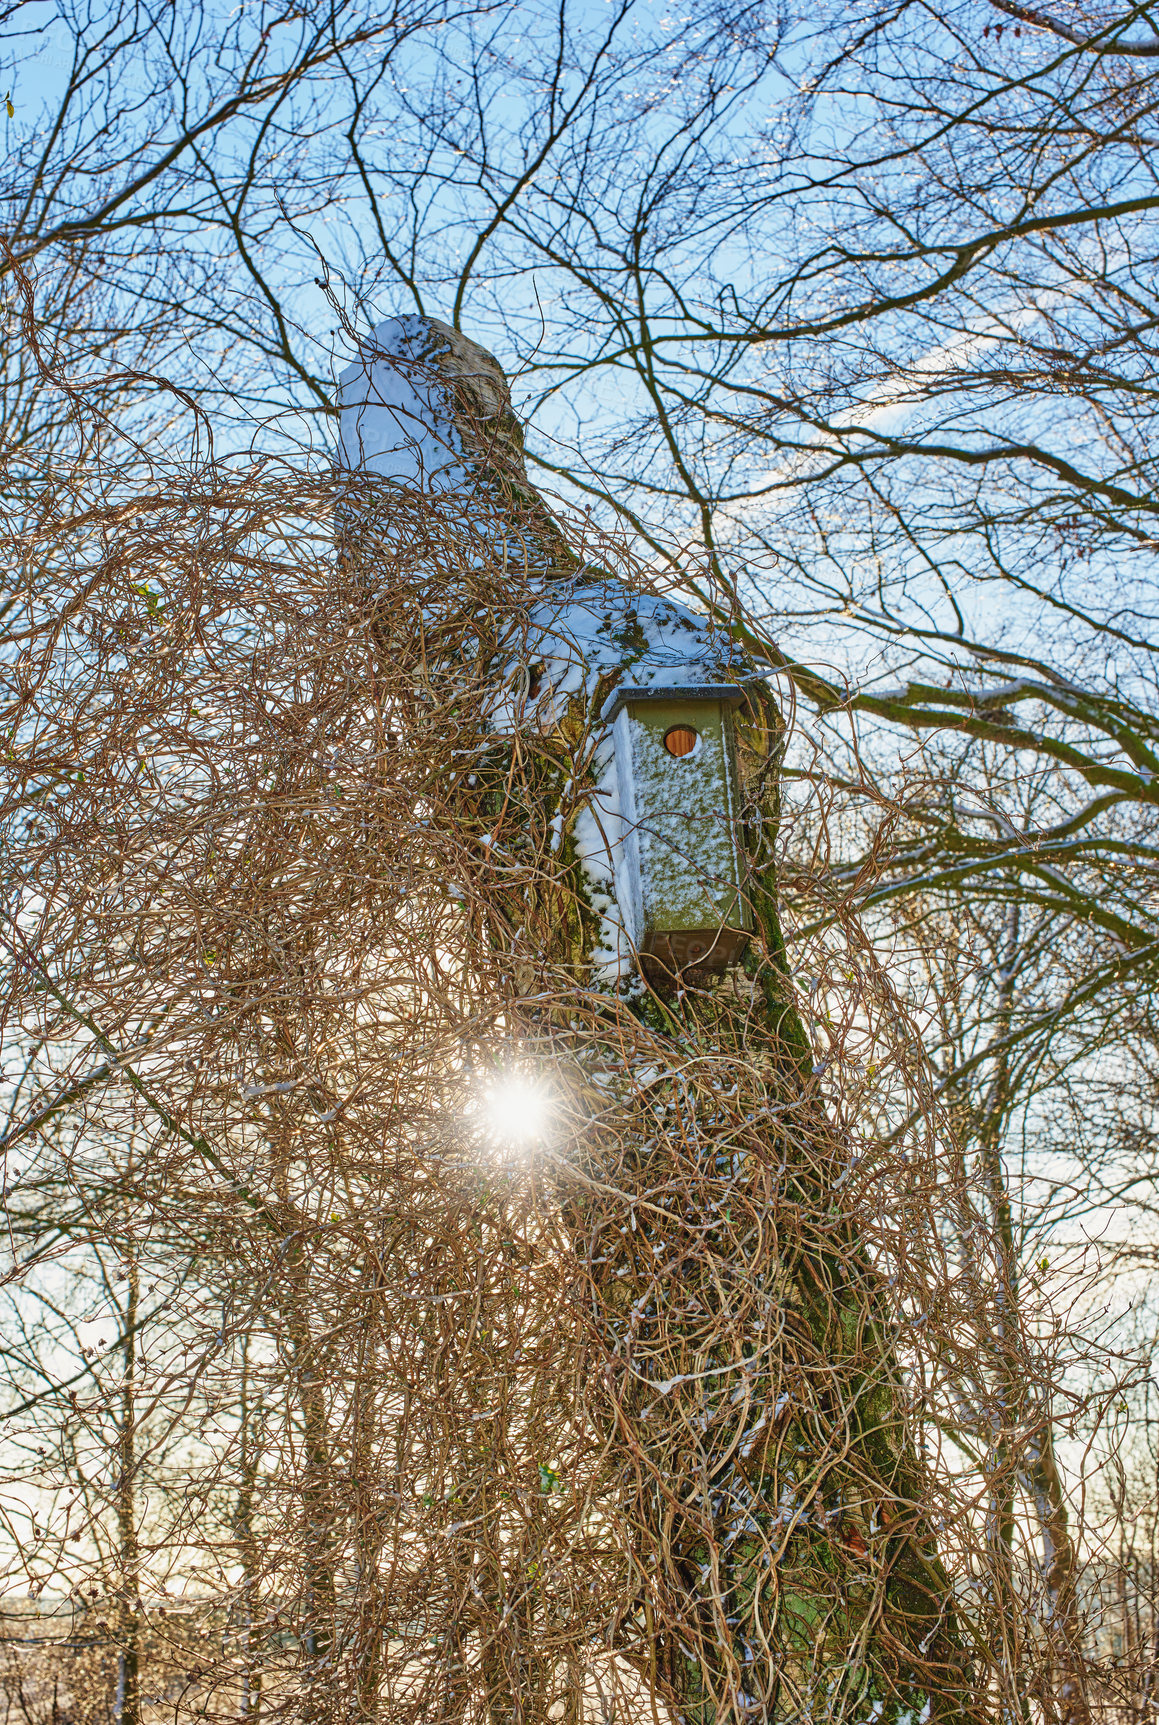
[
  {"x": 728, "y": 694},
  {"x": 586, "y": 628}
]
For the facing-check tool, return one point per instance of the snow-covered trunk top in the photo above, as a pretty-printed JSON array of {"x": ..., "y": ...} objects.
[{"x": 426, "y": 407}]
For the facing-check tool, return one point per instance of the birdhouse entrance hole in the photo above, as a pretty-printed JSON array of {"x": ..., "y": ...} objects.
[{"x": 681, "y": 740}]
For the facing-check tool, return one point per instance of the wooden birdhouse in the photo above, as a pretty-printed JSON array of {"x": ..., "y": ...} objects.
[{"x": 681, "y": 873}]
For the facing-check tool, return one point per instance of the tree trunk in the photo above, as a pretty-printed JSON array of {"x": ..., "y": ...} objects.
[
  {"x": 127, "y": 1698},
  {"x": 248, "y": 1550},
  {"x": 1064, "y": 1697}
]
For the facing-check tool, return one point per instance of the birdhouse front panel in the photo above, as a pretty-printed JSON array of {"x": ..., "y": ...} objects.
[{"x": 682, "y": 870}]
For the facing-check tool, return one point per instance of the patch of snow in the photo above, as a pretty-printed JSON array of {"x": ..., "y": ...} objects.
[
  {"x": 591, "y": 626},
  {"x": 396, "y": 413}
]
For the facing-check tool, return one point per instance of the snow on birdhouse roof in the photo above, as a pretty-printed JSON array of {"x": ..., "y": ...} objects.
[{"x": 592, "y": 625}]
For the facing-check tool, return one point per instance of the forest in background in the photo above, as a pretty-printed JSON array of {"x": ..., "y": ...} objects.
[{"x": 837, "y": 323}]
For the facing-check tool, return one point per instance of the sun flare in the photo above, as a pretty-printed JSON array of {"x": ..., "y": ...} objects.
[{"x": 515, "y": 1111}]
